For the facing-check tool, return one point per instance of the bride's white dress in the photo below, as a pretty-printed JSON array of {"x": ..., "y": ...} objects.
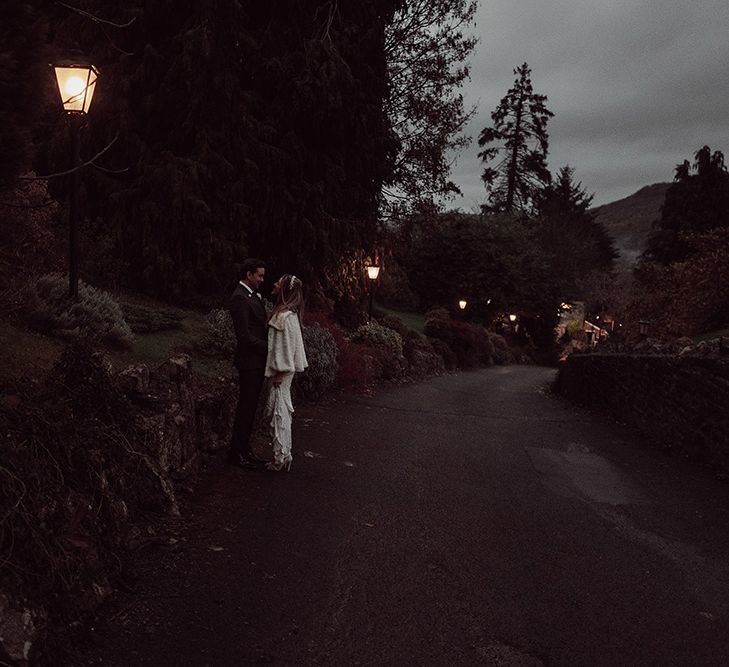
[{"x": 286, "y": 354}]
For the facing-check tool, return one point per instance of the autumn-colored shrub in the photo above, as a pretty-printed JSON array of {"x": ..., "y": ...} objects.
[{"x": 359, "y": 366}]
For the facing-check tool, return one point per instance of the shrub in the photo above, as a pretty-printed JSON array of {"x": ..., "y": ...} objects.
[
  {"x": 421, "y": 357},
  {"x": 95, "y": 316},
  {"x": 388, "y": 346},
  {"x": 143, "y": 319},
  {"x": 484, "y": 347},
  {"x": 438, "y": 314},
  {"x": 219, "y": 338},
  {"x": 440, "y": 347},
  {"x": 359, "y": 366},
  {"x": 501, "y": 351},
  {"x": 395, "y": 323},
  {"x": 321, "y": 353}
]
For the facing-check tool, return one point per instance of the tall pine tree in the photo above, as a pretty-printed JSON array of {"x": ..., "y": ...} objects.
[{"x": 518, "y": 144}]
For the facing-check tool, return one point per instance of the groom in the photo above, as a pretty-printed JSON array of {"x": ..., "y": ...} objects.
[{"x": 249, "y": 322}]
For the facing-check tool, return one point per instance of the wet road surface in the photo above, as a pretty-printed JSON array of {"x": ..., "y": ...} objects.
[{"x": 473, "y": 519}]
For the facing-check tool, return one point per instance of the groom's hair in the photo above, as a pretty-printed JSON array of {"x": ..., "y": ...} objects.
[{"x": 250, "y": 266}]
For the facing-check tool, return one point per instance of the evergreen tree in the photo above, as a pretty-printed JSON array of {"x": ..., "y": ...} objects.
[
  {"x": 569, "y": 232},
  {"x": 247, "y": 128},
  {"x": 23, "y": 72},
  {"x": 697, "y": 201},
  {"x": 426, "y": 51},
  {"x": 519, "y": 143}
]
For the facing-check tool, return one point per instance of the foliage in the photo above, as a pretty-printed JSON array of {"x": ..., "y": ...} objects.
[
  {"x": 519, "y": 141},
  {"x": 23, "y": 30},
  {"x": 388, "y": 346},
  {"x": 321, "y": 353},
  {"x": 28, "y": 239},
  {"x": 469, "y": 342},
  {"x": 359, "y": 366},
  {"x": 71, "y": 486},
  {"x": 426, "y": 48},
  {"x": 219, "y": 338},
  {"x": 96, "y": 315},
  {"x": 246, "y": 128},
  {"x": 440, "y": 347},
  {"x": 396, "y": 324},
  {"x": 144, "y": 319},
  {"x": 695, "y": 203},
  {"x": 393, "y": 287},
  {"x": 421, "y": 356},
  {"x": 495, "y": 262},
  {"x": 569, "y": 233},
  {"x": 689, "y": 297}
]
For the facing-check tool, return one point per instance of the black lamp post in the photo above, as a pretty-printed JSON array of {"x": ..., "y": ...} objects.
[
  {"x": 643, "y": 326},
  {"x": 372, "y": 273},
  {"x": 76, "y": 84}
]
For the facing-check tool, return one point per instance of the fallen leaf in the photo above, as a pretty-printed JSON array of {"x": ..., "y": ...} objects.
[
  {"x": 349, "y": 464},
  {"x": 212, "y": 547}
]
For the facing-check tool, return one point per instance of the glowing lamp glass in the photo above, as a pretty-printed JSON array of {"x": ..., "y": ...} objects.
[
  {"x": 462, "y": 304},
  {"x": 373, "y": 272},
  {"x": 512, "y": 318},
  {"x": 76, "y": 85}
]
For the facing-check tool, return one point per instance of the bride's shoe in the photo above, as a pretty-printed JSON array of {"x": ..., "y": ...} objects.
[{"x": 278, "y": 466}]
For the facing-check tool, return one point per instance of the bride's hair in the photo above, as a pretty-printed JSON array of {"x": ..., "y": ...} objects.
[{"x": 290, "y": 296}]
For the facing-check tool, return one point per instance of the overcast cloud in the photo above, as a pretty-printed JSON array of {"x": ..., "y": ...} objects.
[{"x": 636, "y": 86}]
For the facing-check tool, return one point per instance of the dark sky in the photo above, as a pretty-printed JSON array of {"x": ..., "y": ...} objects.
[{"x": 636, "y": 86}]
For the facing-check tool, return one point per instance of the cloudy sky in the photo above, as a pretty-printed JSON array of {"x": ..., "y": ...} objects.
[{"x": 636, "y": 86}]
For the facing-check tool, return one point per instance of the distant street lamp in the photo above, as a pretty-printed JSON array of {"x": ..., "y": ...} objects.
[
  {"x": 76, "y": 84},
  {"x": 462, "y": 304},
  {"x": 643, "y": 326},
  {"x": 512, "y": 318},
  {"x": 372, "y": 273}
]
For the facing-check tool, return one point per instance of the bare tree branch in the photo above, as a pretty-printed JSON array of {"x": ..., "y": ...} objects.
[
  {"x": 96, "y": 19},
  {"x": 74, "y": 169}
]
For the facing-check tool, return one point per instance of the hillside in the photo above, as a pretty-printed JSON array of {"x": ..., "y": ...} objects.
[{"x": 629, "y": 221}]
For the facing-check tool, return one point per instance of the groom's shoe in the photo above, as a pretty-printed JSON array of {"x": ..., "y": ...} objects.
[{"x": 245, "y": 462}]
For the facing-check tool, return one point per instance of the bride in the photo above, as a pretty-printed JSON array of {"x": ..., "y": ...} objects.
[{"x": 286, "y": 356}]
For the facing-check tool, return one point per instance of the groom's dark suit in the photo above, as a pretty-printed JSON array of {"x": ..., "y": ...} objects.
[{"x": 251, "y": 333}]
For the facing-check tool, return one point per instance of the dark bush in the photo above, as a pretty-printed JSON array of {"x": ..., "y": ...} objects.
[
  {"x": 321, "y": 353},
  {"x": 450, "y": 361}
]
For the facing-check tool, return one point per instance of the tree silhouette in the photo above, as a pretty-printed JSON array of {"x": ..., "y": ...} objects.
[
  {"x": 519, "y": 143},
  {"x": 569, "y": 232},
  {"x": 426, "y": 50},
  {"x": 697, "y": 201}
]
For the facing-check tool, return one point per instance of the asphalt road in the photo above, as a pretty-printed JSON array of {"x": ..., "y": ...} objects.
[{"x": 473, "y": 519}]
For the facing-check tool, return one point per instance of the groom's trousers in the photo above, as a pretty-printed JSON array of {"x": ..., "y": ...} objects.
[{"x": 251, "y": 382}]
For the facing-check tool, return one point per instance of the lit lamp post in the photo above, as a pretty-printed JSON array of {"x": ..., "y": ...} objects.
[
  {"x": 462, "y": 304},
  {"x": 76, "y": 84},
  {"x": 372, "y": 273}
]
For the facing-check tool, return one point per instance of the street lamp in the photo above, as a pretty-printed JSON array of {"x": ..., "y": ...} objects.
[
  {"x": 512, "y": 318},
  {"x": 76, "y": 84},
  {"x": 462, "y": 304},
  {"x": 643, "y": 326},
  {"x": 372, "y": 273}
]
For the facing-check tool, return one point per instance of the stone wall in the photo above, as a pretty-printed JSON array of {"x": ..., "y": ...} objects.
[{"x": 679, "y": 402}]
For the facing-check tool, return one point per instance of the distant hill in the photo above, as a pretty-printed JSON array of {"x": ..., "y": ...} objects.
[{"x": 630, "y": 221}]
